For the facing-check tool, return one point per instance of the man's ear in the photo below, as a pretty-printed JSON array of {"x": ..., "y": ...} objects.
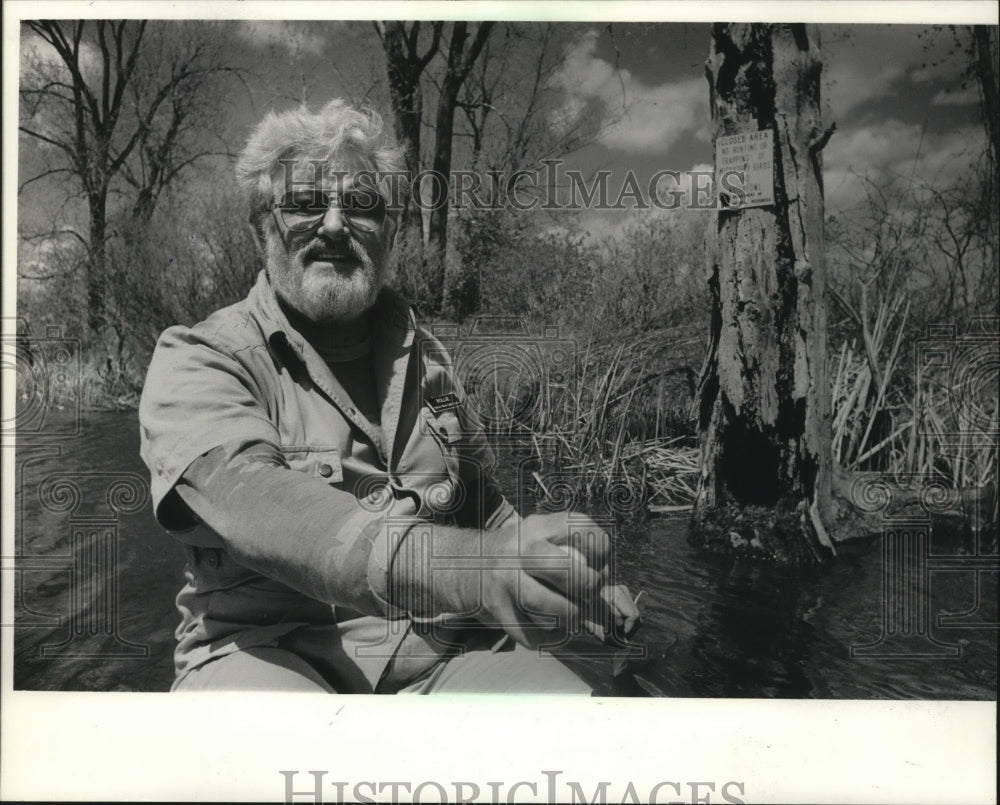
[{"x": 257, "y": 230}]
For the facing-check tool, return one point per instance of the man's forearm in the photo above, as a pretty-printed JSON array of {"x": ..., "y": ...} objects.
[
  {"x": 436, "y": 570},
  {"x": 284, "y": 525}
]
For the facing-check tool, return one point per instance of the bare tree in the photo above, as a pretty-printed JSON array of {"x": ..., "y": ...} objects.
[
  {"x": 765, "y": 485},
  {"x": 513, "y": 119},
  {"x": 405, "y": 66},
  {"x": 491, "y": 98},
  {"x": 462, "y": 55},
  {"x": 506, "y": 99},
  {"x": 120, "y": 106}
]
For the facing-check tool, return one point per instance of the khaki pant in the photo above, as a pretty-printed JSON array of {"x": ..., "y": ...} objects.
[{"x": 512, "y": 669}]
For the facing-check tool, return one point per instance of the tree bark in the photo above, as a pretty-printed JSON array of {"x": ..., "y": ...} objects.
[
  {"x": 97, "y": 266},
  {"x": 987, "y": 78},
  {"x": 764, "y": 409},
  {"x": 460, "y": 63},
  {"x": 404, "y": 67},
  {"x": 444, "y": 127}
]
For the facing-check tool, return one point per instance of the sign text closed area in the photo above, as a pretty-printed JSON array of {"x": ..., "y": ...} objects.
[{"x": 744, "y": 169}]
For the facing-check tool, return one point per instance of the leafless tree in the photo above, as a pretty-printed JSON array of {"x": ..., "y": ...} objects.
[
  {"x": 508, "y": 97},
  {"x": 123, "y": 108},
  {"x": 765, "y": 485},
  {"x": 464, "y": 48},
  {"x": 405, "y": 65}
]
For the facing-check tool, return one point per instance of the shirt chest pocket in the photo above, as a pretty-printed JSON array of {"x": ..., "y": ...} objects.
[
  {"x": 445, "y": 427},
  {"x": 461, "y": 440},
  {"x": 316, "y": 462}
]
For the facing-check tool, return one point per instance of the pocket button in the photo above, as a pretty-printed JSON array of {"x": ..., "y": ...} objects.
[{"x": 325, "y": 470}]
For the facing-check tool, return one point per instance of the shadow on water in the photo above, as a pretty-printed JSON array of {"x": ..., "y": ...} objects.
[
  {"x": 756, "y": 630},
  {"x": 752, "y": 638},
  {"x": 711, "y": 628}
]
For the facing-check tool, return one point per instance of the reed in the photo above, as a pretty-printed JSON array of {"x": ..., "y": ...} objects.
[
  {"x": 912, "y": 426},
  {"x": 614, "y": 429},
  {"x": 614, "y": 434}
]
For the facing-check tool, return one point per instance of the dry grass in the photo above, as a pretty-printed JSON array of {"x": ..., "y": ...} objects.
[
  {"x": 937, "y": 422},
  {"x": 619, "y": 429},
  {"x": 613, "y": 426}
]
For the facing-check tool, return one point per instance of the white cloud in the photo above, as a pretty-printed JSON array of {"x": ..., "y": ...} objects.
[
  {"x": 851, "y": 82},
  {"x": 606, "y": 226},
  {"x": 892, "y": 149},
  {"x": 893, "y": 146},
  {"x": 657, "y": 117},
  {"x": 640, "y": 117},
  {"x": 872, "y": 147},
  {"x": 298, "y": 38},
  {"x": 963, "y": 97},
  {"x": 922, "y": 75},
  {"x": 697, "y": 179},
  {"x": 873, "y": 62}
]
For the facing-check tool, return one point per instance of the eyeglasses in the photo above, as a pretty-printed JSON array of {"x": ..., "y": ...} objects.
[{"x": 362, "y": 209}]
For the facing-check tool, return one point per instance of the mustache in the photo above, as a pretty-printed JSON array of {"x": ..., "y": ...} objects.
[
  {"x": 343, "y": 248},
  {"x": 348, "y": 247}
]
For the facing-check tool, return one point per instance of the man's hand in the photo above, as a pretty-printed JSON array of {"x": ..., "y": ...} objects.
[
  {"x": 538, "y": 574},
  {"x": 530, "y": 577},
  {"x": 622, "y": 616}
]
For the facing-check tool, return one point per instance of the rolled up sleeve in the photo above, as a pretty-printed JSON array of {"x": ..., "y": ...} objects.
[
  {"x": 196, "y": 396},
  {"x": 214, "y": 458},
  {"x": 292, "y": 528}
]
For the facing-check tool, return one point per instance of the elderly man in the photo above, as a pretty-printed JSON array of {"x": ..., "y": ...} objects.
[{"x": 312, "y": 449}]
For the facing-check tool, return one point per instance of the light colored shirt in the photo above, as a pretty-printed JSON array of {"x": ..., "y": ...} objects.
[{"x": 261, "y": 459}]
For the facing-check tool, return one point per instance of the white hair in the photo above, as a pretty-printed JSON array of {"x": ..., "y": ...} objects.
[{"x": 335, "y": 129}]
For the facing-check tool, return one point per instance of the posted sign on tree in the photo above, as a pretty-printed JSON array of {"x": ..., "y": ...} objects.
[{"x": 744, "y": 169}]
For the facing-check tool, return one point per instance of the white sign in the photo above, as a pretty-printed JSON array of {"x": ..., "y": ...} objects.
[{"x": 744, "y": 170}]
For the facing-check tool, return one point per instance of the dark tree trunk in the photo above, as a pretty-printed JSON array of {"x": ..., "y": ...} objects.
[
  {"x": 764, "y": 409},
  {"x": 404, "y": 68},
  {"x": 460, "y": 62},
  {"x": 987, "y": 78},
  {"x": 407, "y": 103},
  {"x": 444, "y": 127},
  {"x": 97, "y": 266}
]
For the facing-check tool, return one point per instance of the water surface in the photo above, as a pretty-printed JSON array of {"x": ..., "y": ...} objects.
[{"x": 712, "y": 629}]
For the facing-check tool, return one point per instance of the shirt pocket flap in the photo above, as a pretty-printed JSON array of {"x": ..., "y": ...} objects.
[
  {"x": 316, "y": 462},
  {"x": 444, "y": 426}
]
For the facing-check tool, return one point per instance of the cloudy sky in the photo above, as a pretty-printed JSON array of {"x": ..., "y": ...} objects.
[{"x": 894, "y": 92}]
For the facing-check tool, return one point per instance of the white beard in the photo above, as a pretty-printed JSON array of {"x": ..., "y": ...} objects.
[{"x": 322, "y": 294}]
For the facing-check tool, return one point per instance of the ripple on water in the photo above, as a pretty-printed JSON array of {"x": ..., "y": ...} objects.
[{"x": 716, "y": 629}]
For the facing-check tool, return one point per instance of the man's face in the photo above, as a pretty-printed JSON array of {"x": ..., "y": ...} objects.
[{"x": 330, "y": 272}]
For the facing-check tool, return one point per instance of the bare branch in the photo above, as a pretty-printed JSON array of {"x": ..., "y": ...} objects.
[
  {"x": 424, "y": 60},
  {"x": 44, "y": 236},
  {"x": 49, "y": 140},
  {"x": 42, "y": 175}
]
